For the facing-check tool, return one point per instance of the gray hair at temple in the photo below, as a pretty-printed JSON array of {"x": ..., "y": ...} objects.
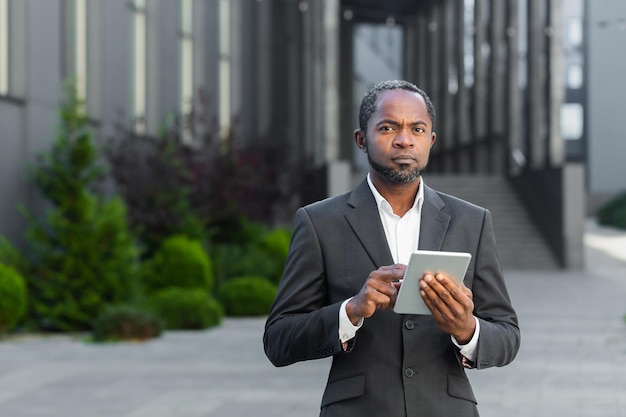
[{"x": 368, "y": 104}]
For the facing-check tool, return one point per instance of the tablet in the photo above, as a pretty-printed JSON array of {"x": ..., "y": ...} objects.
[{"x": 452, "y": 264}]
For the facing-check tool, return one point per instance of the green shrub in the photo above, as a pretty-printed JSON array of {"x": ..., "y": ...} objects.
[
  {"x": 234, "y": 261},
  {"x": 247, "y": 296},
  {"x": 261, "y": 254},
  {"x": 13, "y": 298},
  {"x": 150, "y": 173},
  {"x": 10, "y": 256},
  {"x": 126, "y": 322},
  {"x": 186, "y": 308},
  {"x": 276, "y": 245},
  {"x": 179, "y": 262},
  {"x": 613, "y": 213},
  {"x": 81, "y": 255}
]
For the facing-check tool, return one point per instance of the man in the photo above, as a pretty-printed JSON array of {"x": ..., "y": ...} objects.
[{"x": 341, "y": 277}]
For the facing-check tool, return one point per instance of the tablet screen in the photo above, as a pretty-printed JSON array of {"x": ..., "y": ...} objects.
[{"x": 452, "y": 264}]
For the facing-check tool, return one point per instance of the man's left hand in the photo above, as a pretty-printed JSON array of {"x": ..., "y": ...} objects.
[{"x": 451, "y": 306}]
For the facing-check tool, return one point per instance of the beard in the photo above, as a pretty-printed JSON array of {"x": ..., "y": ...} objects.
[{"x": 403, "y": 175}]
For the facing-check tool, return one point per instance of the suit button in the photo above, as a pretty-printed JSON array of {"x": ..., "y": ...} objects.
[
  {"x": 409, "y": 372},
  {"x": 409, "y": 324}
]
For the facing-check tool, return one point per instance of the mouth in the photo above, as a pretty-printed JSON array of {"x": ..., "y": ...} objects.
[{"x": 403, "y": 159}]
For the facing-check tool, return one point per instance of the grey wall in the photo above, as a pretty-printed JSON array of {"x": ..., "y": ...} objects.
[
  {"x": 12, "y": 156},
  {"x": 29, "y": 115}
]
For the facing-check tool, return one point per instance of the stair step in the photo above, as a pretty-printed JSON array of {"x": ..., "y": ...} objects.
[{"x": 520, "y": 244}]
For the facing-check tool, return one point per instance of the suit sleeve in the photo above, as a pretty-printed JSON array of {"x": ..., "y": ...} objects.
[
  {"x": 499, "y": 339},
  {"x": 300, "y": 325}
]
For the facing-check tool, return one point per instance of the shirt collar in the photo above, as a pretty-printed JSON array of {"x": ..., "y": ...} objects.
[{"x": 384, "y": 204}]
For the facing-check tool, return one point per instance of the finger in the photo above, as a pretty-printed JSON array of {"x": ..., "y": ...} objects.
[
  {"x": 467, "y": 291},
  {"x": 432, "y": 292},
  {"x": 391, "y": 273},
  {"x": 449, "y": 287},
  {"x": 380, "y": 294}
]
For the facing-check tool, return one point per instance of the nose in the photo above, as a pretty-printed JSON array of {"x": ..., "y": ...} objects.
[{"x": 403, "y": 139}]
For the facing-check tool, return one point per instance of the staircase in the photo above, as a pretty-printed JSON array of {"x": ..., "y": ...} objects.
[{"x": 520, "y": 244}]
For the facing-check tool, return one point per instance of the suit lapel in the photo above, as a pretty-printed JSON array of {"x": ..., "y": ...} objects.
[
  {"x": 365, "y": 222},
  {"x": 434, "y": 222}
]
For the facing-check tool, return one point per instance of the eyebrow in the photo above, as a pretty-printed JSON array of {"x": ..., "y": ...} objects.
[{"x": 394, "y": 122}]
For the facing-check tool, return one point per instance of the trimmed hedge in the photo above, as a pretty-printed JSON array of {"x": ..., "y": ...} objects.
[
  {"x": 186, "y": 308},
  {"x": 180, "y": 262},
  {"x": 247, "y": 296}
]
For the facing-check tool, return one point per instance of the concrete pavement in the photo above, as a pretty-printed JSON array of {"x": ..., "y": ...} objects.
[{"x": 572, "y": 361}]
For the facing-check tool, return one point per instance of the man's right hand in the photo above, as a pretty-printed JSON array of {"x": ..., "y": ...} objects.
[{"x": 379, "y": 292}]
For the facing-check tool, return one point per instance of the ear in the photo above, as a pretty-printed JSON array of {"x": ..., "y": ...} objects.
[
  {"x": 359, "y": 139},
  {"x": 433, "y": 138}
]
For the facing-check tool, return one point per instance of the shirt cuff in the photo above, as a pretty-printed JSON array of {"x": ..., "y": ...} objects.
[
  {"x": 469, "y": 350},
  {"x": 347, "y": 330}
]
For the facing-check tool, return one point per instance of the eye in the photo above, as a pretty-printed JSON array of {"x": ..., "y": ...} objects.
[
  {"x": 419, "y": 130},
  {"x": 385, "y": 128}
]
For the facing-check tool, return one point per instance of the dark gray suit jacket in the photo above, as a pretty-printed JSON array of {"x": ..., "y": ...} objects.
[{"x": 398, "y": 365}]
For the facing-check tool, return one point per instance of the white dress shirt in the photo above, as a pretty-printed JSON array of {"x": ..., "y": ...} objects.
[{"x": 403, "y": 239}]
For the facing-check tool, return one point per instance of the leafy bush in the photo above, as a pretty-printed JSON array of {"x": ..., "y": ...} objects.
[
  {"x": 255, "y": 250},
  {"x": 613, "y": 213},
  {"x": 81, "y": 256},
  {"x": 276, "y": 245},
  {"x": 10, "y": 256},
  {"x": 247, "y": 296},
  {"x": 186, "y": 308},
  {"x": 150, "y": 174},
  {"x": 174, "y": 184},
  {"x": 125, "y": 322},
  {"x": 13, "y": 298},
  {"x": 237, "y": 260},
  {"x": 179, "y": 262}
]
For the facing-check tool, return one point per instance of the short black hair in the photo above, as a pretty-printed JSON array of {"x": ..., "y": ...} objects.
[{"x": 368, "y": 104}]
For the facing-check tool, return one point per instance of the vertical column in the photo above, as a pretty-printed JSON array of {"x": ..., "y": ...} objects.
[
  {"x": 496, "y": 89},
  {"x": 346, "y": 63},
  {"x": 446, "y": 128},
  {"x": 307, "y": 87},
  {"x": 262, "y": 70},
  {"x": 430, "y": 53},
  {"x": 330, "y": 84},
  {"x": 421, "y": 73},
  {"x": 514, "y": 100},
  {"x": 461, "y": 134},
  {"x": 556, "y": 84},
  {"x": 295, "y": 109},
  {"x": 535, "y": 89},
  {"x": 479, "y": 105}
]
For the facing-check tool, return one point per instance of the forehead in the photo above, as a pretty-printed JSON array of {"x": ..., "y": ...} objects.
[{"x": 402, "y": 104}]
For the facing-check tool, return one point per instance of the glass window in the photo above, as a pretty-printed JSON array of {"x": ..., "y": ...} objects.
[
  {"x": 575, "y": 32},
  {"x": 186, "y": 63},
  {"x": 574, "y": 76},
  {"x": 468, "y": 60},
  {"x": 4, "y": 47},
  {"x": 139, "y": 65},
  {"x": 224, "y": 67},
  {"x": 75, "y": 44},
  {"x": 572, "y": 121}
]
